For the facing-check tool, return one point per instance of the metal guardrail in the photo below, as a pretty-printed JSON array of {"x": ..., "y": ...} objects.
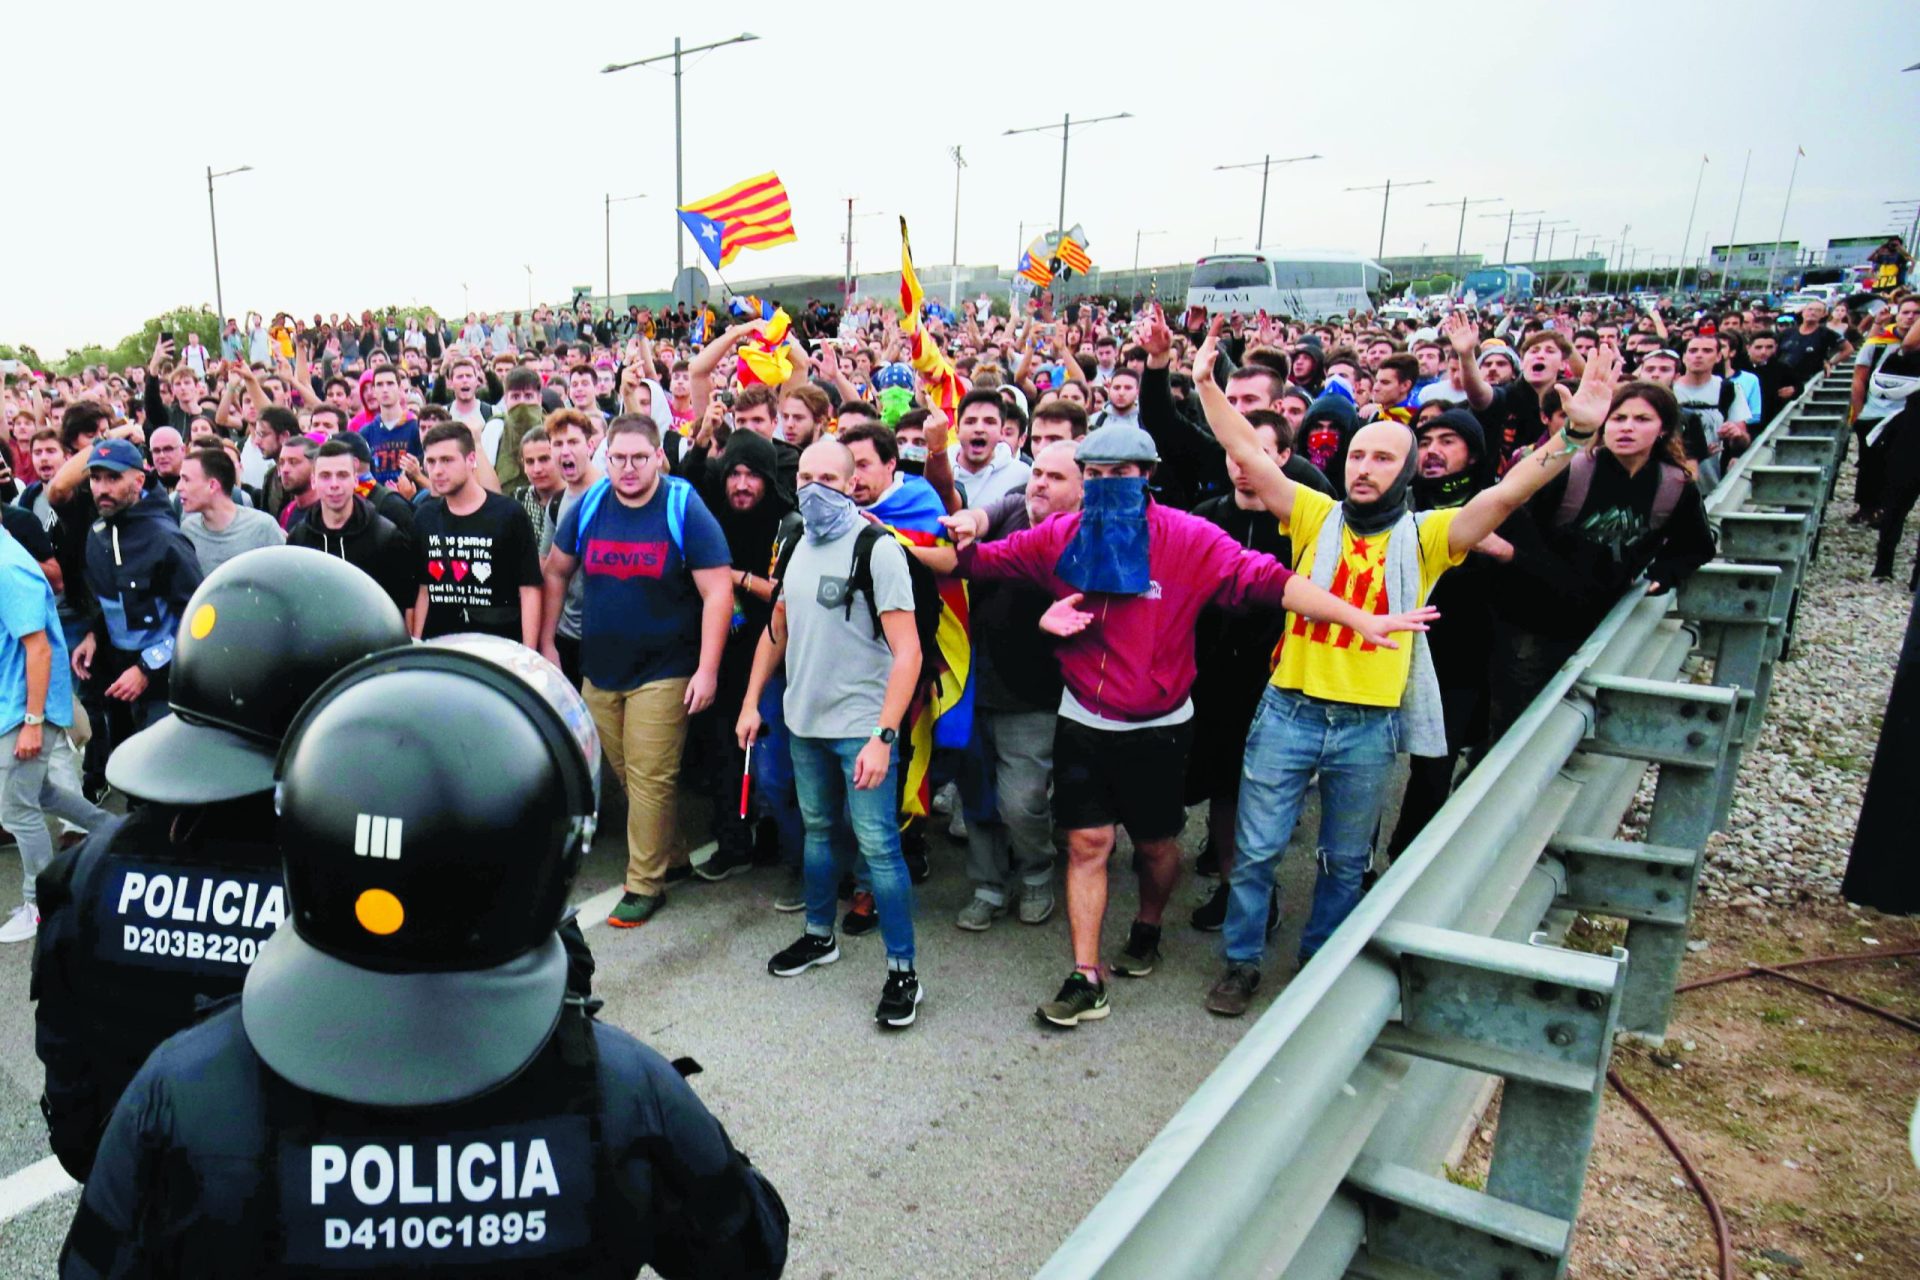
[{"x": 1315, "y": 1148}]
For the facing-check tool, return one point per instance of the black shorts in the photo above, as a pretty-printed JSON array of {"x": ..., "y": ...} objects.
[{"x": 1130, "y": 777}]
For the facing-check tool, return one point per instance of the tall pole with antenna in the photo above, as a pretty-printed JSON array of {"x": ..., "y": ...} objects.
[
  {"x": 1265, "y": 165},
  {"x": 1386, "y": 198},
  {"x": 1773, "y": 259},
  {"x": 679, "y": 186},
  {"x": 1680, "y": 264},
  {"x": 1733, "y": 234}
]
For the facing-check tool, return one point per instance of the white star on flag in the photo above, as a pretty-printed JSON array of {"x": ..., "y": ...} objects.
[{"x": 708, "y": 231}]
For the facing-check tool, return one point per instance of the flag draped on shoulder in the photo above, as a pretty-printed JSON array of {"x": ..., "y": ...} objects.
[
  {"x": 941, "y": 712},
  {"x": 943, "y": 384},
  {"x": 754, "y": 214}
]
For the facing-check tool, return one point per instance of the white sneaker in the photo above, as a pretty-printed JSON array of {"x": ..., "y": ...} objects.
[{"x": 22, "y": 924}]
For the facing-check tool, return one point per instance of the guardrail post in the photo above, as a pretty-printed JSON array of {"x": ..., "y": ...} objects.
[
  {"x": 1734, "y": 605},
  {"x": 1685, "y": 729},
  {"x": 1771, "y": 538},
  {"x": 1543, "y": 1019}
]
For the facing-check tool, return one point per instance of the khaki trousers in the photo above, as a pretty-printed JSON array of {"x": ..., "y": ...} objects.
[{"x": 642, "y": 732}]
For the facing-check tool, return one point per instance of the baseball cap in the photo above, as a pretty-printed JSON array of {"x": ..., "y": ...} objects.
[{"x": 116, "y": 455}]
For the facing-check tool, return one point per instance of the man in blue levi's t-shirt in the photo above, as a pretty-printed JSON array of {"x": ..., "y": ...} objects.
[{"x": 657, "y": 603}]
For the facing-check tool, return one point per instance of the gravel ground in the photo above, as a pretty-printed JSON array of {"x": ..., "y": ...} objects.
[{"x": 1800, "y": 788}]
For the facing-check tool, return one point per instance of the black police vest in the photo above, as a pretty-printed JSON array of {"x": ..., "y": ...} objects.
[
  {"x": 139, "y": 933},
  {"x": 514, "y": 1183}
]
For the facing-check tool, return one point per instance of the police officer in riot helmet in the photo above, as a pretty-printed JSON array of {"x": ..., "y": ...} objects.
[
  {"x": 406, "y": 1085},
  {"x": 162, "y": 912}
]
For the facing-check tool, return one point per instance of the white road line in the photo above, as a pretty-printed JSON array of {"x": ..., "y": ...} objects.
[
  {"x": 34, "y": 1185},
  {"x": 44, "y": 1179}
]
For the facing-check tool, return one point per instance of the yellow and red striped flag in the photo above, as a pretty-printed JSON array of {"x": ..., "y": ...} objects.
[
  {"x": 943, "y": 384},
  {"x": 754, "y": 214},
  {"x": 1073, "y": 257}
]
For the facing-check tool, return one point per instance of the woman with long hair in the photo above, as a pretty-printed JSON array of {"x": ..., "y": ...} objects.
[{"x": 1627, "y": 506}]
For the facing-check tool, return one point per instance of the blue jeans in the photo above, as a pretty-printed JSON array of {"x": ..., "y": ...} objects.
[
  {"x": 773, "y": 784},
  {"x": 823, "y": 776},
  {"x": 1353, "y": 748}
]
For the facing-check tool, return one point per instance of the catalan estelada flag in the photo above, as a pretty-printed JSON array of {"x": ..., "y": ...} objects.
[
  {"x": 924, "y": 354},
  {"x": 1073, "y": 256},
  {"x": 1035, "y": 269},
  {"x": 754, "y": 214},
  {"x": 940, "y": 713}
]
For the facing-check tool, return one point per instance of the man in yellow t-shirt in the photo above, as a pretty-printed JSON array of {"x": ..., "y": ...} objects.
[{"x": 1333, "y": 706}]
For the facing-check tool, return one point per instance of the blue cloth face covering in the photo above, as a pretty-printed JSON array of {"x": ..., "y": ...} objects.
[{"x": 1108, "y": 552}]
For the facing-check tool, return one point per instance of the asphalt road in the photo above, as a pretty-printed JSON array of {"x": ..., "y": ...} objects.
[{"x": 969, "y": 1145}]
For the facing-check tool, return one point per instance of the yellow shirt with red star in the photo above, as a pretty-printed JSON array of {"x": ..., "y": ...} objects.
[{"x": 1323, "y": 660}]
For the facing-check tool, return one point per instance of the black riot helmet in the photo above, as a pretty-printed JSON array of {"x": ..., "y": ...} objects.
[
  {"x": 264, "y": 631},
  {"x": 435, "y": 803}
]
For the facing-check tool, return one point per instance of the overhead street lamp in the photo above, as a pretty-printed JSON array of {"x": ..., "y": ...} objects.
[
  {"x": 1137, "y": 237},
  {"x": 1066, "y": 134},
  {"x": 613, "y": 200},
  {"x": 1265, "y": 165},
  {"x": 219, "y": 299},
  {"x": 679, "y": 189},
  {"x": 953, "y": 281},
  {"x": 1460, "y": 236},
  {"x": 1506, "y": 245},
  {"x": 1387, "y": 189}
]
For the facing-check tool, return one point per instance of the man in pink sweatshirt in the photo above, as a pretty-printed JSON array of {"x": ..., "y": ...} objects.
[{"x": 1143, "y": 572}]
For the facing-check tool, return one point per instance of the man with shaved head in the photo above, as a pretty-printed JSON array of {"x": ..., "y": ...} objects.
[
  {"x": 852, "y": 654},
  {"x": 1336, "y": 705}
]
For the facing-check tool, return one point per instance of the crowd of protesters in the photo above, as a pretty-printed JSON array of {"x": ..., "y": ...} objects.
[{"x": 1145, "y": 562}]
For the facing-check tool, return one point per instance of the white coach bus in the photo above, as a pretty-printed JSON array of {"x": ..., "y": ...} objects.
[{"x": 1307, "y": 284}]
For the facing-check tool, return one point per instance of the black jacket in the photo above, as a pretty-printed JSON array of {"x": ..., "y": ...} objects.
[
  {"x": 142, "y": 570},
  {"x": 140, "y": 924},
  {"x": 370, "y": 543},
  {"x": 208, "y": 1166},
  {"x": 1568, "y": 576}
]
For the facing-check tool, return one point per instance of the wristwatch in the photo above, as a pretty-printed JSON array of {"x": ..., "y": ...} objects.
[
  {"x": 33, "y": 719},
  {"x": 885, "y": 734}
]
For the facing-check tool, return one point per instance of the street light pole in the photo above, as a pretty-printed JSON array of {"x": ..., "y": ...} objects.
[
  {"x": 1066, "y": 135},
  {"x": 219, "y": 299},
  {"x": 1137, "y": 236},
  {"x": 679, "y": 187},
  {"x": 1460, "y": 236},
  {"x": 1773, "y": 259},
  {"x": 1265, "y": 165},
  {"x": 611, "y": 201},
  {"x": 1385, "y": 199},
  {"x": 1680, "y": 267},
  {"x": 528, "y": 267},
  {"x": 953, "y": 282},
  {"x": 1506, "y": 245},
  {"x": 1734, "y": 234}
]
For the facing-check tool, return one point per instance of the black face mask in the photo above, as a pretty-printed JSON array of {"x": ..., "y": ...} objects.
[{"x": 1433, "y": 493}]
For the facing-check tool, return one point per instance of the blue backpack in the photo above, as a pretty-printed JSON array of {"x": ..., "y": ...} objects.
[{"x": 678, "y": 491}]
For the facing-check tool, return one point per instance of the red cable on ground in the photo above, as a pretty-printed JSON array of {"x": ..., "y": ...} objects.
[{"x": 1723, "y": 1239}]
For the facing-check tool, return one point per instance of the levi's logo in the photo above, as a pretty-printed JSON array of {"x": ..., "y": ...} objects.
[{"x": 625, "y": 559}]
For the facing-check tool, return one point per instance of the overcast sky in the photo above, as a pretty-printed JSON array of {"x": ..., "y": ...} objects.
[{"x": 415, "y": 153}]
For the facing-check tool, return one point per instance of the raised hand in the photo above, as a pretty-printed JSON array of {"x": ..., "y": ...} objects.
[
  {"x": 1587, "y": 407},
  {"x": 1464, "y": 334}
]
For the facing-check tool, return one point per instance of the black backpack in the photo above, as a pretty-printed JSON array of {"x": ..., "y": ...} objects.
[{"x": 927, "y": 604}]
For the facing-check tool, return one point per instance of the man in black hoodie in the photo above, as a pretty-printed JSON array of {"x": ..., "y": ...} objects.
[
  {"x": 1451, "y": 453},
  {"x": 344, "y": 524},
  {"x": 742, "y": 487}
]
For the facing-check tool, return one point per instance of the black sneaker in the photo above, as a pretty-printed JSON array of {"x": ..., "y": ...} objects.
[
  {"x": 724, "y": 863},
  {"x": 1234, "y": 992},
  {"x": 1080, "y": 1000},
  {"x": 861, "y": 918},
  {"x": 917, "y": 868},
  {"x": 1141, "y": 953},
  {"x": 1208, "y": 863},
  {"x": 900, "y": 999},
  {"x": 683, "y": 871},
  {"x": 1211, "y": 915},
  {"x": 811, "y": 950}
]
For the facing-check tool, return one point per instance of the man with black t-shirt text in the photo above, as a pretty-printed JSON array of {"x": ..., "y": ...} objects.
[{"x": 477, "y": 562}]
